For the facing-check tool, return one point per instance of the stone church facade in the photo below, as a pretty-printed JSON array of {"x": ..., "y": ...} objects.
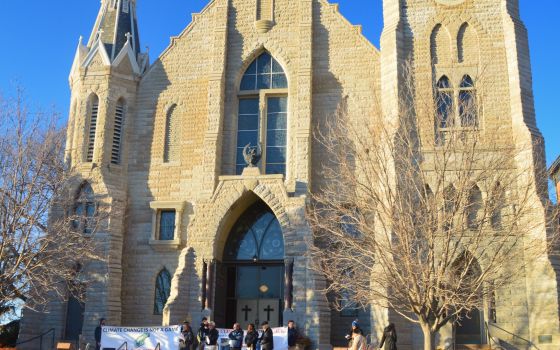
[{"x": 192, "y": 232}]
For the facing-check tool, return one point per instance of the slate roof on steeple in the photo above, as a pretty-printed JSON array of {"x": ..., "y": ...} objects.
[{"x": 116, "y": 20}]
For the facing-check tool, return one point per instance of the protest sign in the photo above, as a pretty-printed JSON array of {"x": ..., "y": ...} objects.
[{"x": 140, "y": 338}]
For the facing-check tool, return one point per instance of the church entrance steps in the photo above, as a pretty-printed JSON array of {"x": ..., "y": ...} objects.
[{"x": 474, "y": 347}]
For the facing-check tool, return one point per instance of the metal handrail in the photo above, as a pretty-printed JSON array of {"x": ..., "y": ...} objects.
[
  {"x": 40, "y": 337},
  {"x": 530, "y": 343}
]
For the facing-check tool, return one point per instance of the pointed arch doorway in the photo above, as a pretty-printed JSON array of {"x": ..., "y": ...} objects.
[{"x": 253, "y": 262}]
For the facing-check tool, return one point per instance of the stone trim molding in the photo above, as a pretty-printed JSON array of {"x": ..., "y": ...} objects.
[{"x": 157, "y": 207}]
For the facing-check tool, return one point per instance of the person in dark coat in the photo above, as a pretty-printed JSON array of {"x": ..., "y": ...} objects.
[
  {"x": 202, "y": 333},
  {"x": 97, "y": 334},
  {"x": 292, "y": 335},
  {"x": 212, "y": 336},
  {"x": 389, "y": 338},
  {"x": 252, "y": 337},
  {"x": 236, "y": 337},
  {"x": 267, "y": 338},
  {"x": 188, "y": 336}
]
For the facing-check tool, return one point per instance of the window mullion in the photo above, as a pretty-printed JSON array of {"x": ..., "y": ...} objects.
[{"x": 262, "y": 128}]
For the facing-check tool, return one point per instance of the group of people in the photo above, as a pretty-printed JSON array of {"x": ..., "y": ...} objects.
[
  {"x": 357, "y": 340},
  {"x": 207, "y": 336}
]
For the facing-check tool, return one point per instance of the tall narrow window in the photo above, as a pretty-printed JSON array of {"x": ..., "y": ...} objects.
[
  {"x": 84, "y": 210},
  {"x": 263, "y": 115},
  {"x": 163, "y": 289},
  {"x": 93, "y": 113},
  {"x": 276, "y": 135},
  {"x": 172, "y": 135},
  {"x": 167, "y": 225},
  {"x": 118, "y": 132},
  {"x": 474, "y": 207},
  {"x": 467, "y": 104},
  {"x": 444, "y": 103},
  {"x": 497, "y": 203}
]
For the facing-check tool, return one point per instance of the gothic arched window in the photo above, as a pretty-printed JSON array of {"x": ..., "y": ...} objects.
[
  {"x": 163, "y": 289},
  {"x": 263, "y": 114},
  {"x": 474, "y": 207},
  {"x": 444, "y": 102},
  {"x": 497, "y": 203},
  {"x": 84, "y": 210},
  {"x": 467, "y": 104},
  {"x": 118, "y": 135},
  {"x": 257, "y": 235},
  {"x": 172, "y": 135},
  {"x": 93, "y": 107}
]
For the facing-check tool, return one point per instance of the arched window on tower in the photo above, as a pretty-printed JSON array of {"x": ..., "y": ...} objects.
[
  {"x": 162, "y": 292},
  {"x": 497, "y": 203},
  {"x": 263, "y": 115},
  {"x": 84, "y": 210},
  {"x": 172, "y": 136},
  {"x": 474, "y": 207},
  {"x": 93, "y": 107},
  {"x": 468, "y": 113},
  {"x": 444, "y": 103},
  {"x": 118, "y": 130},
  {"x": 450, "y": 203}
]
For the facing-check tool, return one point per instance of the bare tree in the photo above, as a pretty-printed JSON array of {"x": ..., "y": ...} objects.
[
  {"x": 430, "y": 227},
  {"x": 43, "y": 244}
]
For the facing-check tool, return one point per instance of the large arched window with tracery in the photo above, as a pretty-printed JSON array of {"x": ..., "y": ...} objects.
[
  {"x": 257, "y": 236},
  {"x": 84, "y": 210},
  {"x": 263, "y": 114}
]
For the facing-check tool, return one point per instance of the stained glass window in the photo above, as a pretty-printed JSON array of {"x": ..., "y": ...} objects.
[
  {"x": 263, "y": 119},
  {"x": 163, "y": 289},
  {"x": 256, "y": 235},
  {"x": 167, "y": 225},
  {"x": 84, "y": 211}
]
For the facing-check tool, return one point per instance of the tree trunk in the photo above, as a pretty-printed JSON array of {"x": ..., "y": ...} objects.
[{"x": 428, "y": 337}]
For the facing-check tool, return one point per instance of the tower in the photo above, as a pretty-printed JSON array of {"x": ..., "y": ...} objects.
[
  {"x": 103, "y": 82},
  {"x": 481, "y": 47}
]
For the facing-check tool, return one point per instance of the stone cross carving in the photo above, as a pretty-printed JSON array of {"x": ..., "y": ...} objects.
[
  {"x": 246, "y": 310},
  {"x": 268, "y": 310}
]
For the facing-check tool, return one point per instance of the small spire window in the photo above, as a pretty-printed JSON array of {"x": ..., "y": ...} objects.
[
  {"x": 118, "y": 130},
  {"x": 92, "y": 127}
]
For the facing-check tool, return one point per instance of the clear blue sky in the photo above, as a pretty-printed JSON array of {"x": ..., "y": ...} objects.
[{"x": 39, "y": 38}]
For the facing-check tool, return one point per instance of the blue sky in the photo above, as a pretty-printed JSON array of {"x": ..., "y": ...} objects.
[{"x": 39, "y": 38}]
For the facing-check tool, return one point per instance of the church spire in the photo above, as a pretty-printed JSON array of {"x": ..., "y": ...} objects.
[{"x": 116, "y": 24}]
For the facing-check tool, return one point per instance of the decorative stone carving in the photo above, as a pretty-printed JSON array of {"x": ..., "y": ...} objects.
[{"x": 252, "y": 155}]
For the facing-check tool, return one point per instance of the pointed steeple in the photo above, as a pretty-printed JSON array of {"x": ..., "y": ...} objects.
[{"x": 116, "y": 24}]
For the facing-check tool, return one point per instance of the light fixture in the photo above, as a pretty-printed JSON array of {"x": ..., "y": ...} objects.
[{"x": 255, "y": 258}]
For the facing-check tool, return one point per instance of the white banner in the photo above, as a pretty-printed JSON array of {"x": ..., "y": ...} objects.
[
  {"x": 280, "y": 335},
  {"x": 140, "y": 338}
]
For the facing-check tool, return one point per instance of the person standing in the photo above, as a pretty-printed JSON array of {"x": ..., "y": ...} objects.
[
  {"x": 252, "y": 337},
  {"x": 236, "y": 337},
  {"x": 202, "y": 333},
  {"x": 350, "y": 335},
  {"x": 358, "y": 340},
  {"x": 267, "y": 338},
  {"x": 188, "y": 336},
  {"x": 97, "y": 334},
  {"x": 211, "y": 342},
  {"x": 292, "y": 335},
  {"x": 389, "y": 338}
]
